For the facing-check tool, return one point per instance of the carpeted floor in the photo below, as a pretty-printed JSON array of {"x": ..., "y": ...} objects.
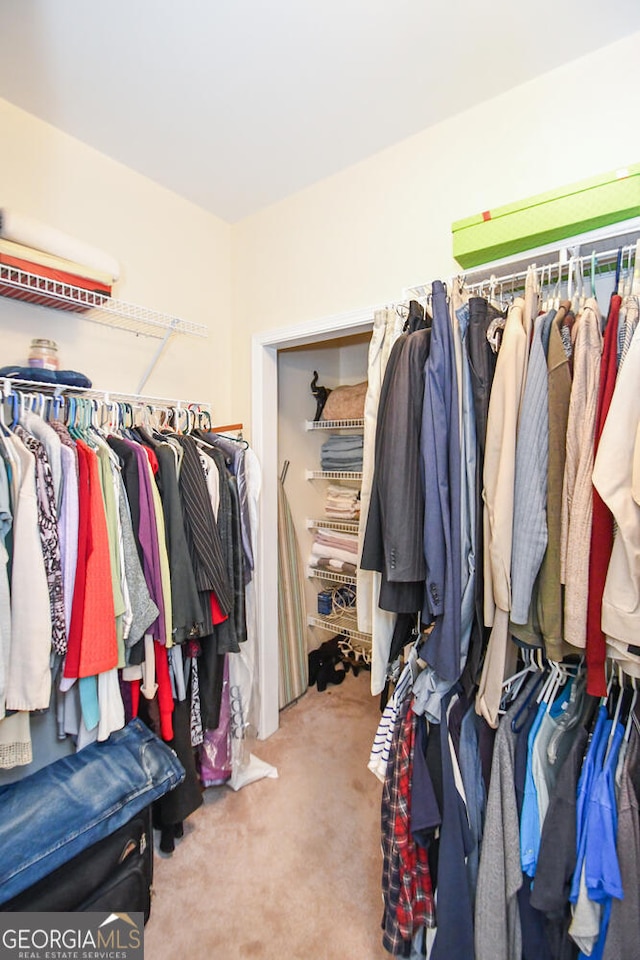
[{"x": 285, "y": 869}]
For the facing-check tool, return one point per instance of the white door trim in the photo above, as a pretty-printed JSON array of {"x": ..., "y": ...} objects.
[{"x": 264, "y": 434}]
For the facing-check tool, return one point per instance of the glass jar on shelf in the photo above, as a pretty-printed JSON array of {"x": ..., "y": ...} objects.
[{"x": 44, "y": 354}]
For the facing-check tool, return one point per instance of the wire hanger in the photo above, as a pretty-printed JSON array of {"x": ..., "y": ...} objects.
[
  {"x": 616, "y": 714},
  {"x": 634, "y": 700}
]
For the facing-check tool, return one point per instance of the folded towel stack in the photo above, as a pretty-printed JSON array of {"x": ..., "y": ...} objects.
[
  {"x": 54, "y": 261},
  {"x": 342, "y": 453},
  {"x": 343, "y": 503}
]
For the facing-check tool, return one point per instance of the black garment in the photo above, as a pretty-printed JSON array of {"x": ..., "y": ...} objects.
[
  {"x": 200, "y": 527},
  {"x": 454, "y": 936},
  {"x": 235, "y": 458},
  {"x": 373, "y": 548},
  {"x": 425, "y": 812},
  {"x": 456, "y": 716},
  {"x": 131, "y": 480},
  {"x": 557, "y": 856},
  {"x": 433, "y": 756},
  {"x": 482, "y": 365},
  {"x": 176, "y": 806},
  {"x": 234, "y": 630},
  {"x": 393, "y": 540},
  {"x": 238, "y": 562},
  {"x": 186, "y": 608},
  {"x": 534, "y": 941},
  {"x": 210, "y": 676},
  {"x": 486, "y": 741}
]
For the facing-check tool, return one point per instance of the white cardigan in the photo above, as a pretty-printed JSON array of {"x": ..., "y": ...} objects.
[{"x": 613, "y": 477}]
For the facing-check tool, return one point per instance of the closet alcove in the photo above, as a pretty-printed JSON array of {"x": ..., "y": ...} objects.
[{"x": 339, "y": 360}]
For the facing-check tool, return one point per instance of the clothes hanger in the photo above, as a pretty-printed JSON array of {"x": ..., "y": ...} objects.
[
  {"x": 524, "y": 706},
  {"x": 4, "y": 429},
  {"x": 616, "y": 714},
  {"x": 634, "y": 700},
  {"x": 513, "y": 684}
]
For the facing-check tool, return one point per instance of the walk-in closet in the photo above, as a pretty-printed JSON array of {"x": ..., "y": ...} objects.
[
  {"x": 330, "y": 600},
  {"x": 318, "y": 479}
]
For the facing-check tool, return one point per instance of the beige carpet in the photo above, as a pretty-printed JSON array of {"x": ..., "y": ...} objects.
[{"x": 285, "y": 869}]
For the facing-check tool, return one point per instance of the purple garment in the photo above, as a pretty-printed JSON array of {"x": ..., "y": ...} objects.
[
  {"x": 148, "y": 537},
  {"x": 215, "y": 754}
]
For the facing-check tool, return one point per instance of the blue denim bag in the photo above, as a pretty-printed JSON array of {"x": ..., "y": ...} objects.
[{"x": 65, "y": 807}]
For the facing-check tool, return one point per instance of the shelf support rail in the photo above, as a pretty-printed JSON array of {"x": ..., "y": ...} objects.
[{"x": 158, "y": 352}]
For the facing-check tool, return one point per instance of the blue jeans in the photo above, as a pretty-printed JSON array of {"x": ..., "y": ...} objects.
[{"x": 50, "y": 816}]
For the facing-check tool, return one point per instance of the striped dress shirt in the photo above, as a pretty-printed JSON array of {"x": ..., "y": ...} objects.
[
  {"x": 530, "y": 494},
  {"x": 201, "y": 529}
]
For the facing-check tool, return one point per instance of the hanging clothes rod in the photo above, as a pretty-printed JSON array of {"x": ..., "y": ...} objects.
[
  {"x": 568, "y": 253},
  {"x": 9, "y": 384},
  {"x": 558, "y": 269}
]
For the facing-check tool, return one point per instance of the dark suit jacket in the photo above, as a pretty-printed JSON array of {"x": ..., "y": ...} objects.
[
  {"x": 440, "y": 442},
  {"x": 393, "y": 538}
]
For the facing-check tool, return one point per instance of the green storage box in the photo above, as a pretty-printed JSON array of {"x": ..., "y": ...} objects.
[{"x": 548, "y": 217}]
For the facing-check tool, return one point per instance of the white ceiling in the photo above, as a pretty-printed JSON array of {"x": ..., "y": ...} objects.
[{"x": 236, "y": 104}]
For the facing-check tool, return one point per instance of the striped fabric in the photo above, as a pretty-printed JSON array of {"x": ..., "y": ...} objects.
[
  {"x": 294, "y": 667},
  {"x": 201, "y": 529},
  {"x": 379, "y": 756}
]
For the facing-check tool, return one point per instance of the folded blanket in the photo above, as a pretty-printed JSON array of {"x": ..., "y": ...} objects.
[
  {"x": 339, "y": 566},
  {"x": 348, "y": 493},
  {"x": 333, "y": 553},
  {"x": 15, "y": 254},
  {"x": 344, "y": 541},
  {"x": 32, "y": 233},
  {"x": 343, "y": 466},
  {"x": 339, "y": 442}
]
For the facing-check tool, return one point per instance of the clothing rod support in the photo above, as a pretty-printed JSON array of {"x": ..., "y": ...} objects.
[{"x": 156, "y": 355}]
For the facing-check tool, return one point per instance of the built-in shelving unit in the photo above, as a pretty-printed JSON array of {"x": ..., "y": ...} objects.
[{"x": 345, "y": 621}]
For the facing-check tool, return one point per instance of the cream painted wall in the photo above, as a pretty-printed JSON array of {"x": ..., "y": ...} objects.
[
  {"x": 362, "y": 236},
  {"x": 175, "y": 258}
]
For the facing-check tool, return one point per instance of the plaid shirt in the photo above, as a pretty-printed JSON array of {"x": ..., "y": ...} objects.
[{"x": 406, "y": 881}]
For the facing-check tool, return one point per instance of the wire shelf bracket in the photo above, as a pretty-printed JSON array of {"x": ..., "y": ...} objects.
[{"x": 97, "y": 308}]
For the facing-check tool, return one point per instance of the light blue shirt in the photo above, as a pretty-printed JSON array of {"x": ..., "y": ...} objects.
[{"x": 530, "y": 825}]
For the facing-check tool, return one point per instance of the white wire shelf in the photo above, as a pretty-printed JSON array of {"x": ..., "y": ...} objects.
[
  {"x": 332, "y": 475},
  {"x": 333, "y": 575},
  {"x": 48, "y": 389},
  {"x": 96, "y": 307},
  {"x": 341, "y": 623},
  {"x": 334, "y": 424},
  {"x": 341, "y": 526}
]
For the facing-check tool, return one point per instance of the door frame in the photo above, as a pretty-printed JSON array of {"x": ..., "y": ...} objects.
[{"x": 264, "y": 440}]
